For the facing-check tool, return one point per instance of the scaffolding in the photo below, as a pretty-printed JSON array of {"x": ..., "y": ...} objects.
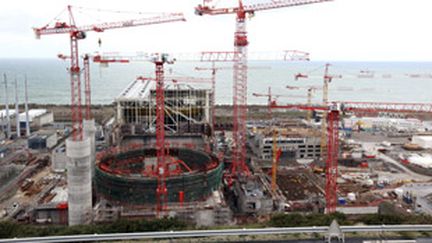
[{"x": 187, "y": 109}]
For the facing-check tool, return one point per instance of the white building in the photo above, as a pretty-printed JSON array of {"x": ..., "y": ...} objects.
[
  {"x": 301, "y": 144},
  {"x": 423, "y": 160},
  {"x": 384, "y": 123},
  {"x": 37, "y": 118}
]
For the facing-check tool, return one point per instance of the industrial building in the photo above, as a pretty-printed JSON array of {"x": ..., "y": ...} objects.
[
  {"x": 385, "y": 124},
  {"x": 37, "y": 118},
  {"x": 3, "y": 114},
  {"x": 43, "y": 139},
  {"x": 295, "y": 143},
  {"x": 5, "y": 122},
  {"x": 187, "y": 109}
]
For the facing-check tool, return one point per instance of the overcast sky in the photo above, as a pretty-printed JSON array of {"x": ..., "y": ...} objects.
[{"x": 360, "y": 30}]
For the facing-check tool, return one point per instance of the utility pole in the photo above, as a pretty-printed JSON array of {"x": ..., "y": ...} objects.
[
  {"x": 18, "y": 130},
  {"x": 8, "y": 129},
  {"x": 26, "y": 107}
]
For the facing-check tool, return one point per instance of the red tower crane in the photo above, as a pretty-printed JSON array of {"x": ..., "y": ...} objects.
[
  {"x": 334, "y": 109},
  {"x": 272, "y": 98},
  {"x": 77, "y": 33},
  {"x": 310, "y": 90},
  {"x": 241, "y": 42},
  {"x": 327, "y": 78},
  {"x": 87, "y": 88},
  {"x": 214, "y": 70},
  {"x": 162, "y": 169}
]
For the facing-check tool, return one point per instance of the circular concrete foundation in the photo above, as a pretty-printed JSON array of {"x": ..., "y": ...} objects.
[{"x": 129, "y": 177}]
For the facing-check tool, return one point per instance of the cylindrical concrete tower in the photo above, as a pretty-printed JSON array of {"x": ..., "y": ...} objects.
[
  {"x": 89, "y": 129},
  {"x": 79, "y": 181}
]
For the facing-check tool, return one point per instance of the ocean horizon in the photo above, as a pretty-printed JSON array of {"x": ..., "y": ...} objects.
[{"x": 374, "y": 81}]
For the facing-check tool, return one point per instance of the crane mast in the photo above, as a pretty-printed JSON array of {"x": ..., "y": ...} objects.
[
  {"x": 74, "y": 73},
  {"x": 87, "y": 87},
  {"x": 332, "y": 159},
  {"x": 77, "y": 33},
  {"x": 239, "y": 167},
  {"x": 209, "y": 56},
  {"x": 161, "y": 191},
  {"x": 324, "y": 115},
  {"x": 309, "y": 102}
]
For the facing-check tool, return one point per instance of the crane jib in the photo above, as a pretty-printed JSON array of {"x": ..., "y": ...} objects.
[{"x": 111, "y": 25}]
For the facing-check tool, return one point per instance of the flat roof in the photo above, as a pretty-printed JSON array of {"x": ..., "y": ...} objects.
[
  {"x": 33, "y": 113},
  {"x": 3, "y": 113},
  {"x": 137, "y": 89},
  {"x": 141, "y": 89}
]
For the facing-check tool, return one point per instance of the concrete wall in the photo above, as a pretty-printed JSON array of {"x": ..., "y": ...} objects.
[
  {"x": 52, "y": 140},
  {"x": 136, "y": 189},
  {"x": 79, "y": 181},
  {"x": 59, "y": 161}
]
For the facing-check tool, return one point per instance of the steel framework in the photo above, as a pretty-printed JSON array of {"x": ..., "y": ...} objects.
[
  {"x": 162, "y": 170},
  {"x": 239, "y": 167}
]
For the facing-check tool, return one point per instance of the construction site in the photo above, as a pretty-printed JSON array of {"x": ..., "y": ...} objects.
[{"x": 164, "y": 148}]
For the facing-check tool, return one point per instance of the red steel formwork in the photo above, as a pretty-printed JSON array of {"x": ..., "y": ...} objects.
[
  {"x": 332, "y": 160},
  {"x": 161, "y": 191}
]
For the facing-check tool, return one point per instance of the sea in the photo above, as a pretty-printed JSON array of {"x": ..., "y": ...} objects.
[{"x": 410, "y": 82}]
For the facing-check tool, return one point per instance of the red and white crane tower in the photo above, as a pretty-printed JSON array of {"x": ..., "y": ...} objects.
[
  {"x": 327, "y": 78},
  {"x": 241, "y": 42},
  {"x": 271, "y": 98},
  {"x": 77, "y": 33},
  {"x": 310, "y": 92},
  {"x": 162, "y": 170},
  {"x": 214, "y": 70},
  {"x": 87, "y": 87},
  {"x": 87, "y": 83},
  {"x": 333, "y": 110}
]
